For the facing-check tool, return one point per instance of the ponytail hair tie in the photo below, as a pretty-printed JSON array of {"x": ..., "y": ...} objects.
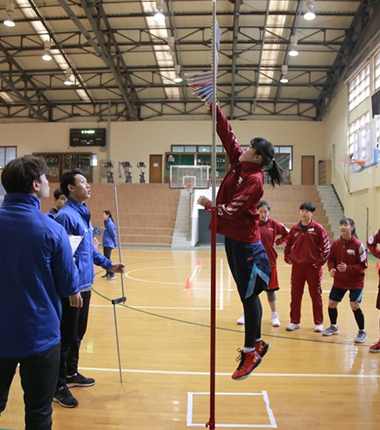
[{"x": 269, "y": 166}]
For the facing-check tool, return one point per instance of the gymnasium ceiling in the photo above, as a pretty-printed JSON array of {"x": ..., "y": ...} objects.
[{"x": 121, "y": 62}]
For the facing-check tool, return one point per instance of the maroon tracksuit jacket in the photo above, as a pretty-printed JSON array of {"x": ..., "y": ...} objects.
[
  {"x": 307, "y": 250},
  {"x": 269, "y": 231},
  {"x": 352, "y": 253}
]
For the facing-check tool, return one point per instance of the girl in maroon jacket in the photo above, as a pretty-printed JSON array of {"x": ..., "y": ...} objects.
[
  {"x": 307, "y": 248},
  {"x": 372, "y": 245},
  {"x": 236, "y": 203},
  {"x": 272, "y": 234},
  {"x": 347, "y": 263}
]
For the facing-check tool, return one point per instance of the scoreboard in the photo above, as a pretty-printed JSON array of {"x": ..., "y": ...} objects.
[{"x": 87, "y": 137}]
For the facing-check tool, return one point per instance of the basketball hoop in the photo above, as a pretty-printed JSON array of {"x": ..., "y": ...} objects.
[
  {"x": 189, "y": 187},
  {"x": 349, "y": 164}
]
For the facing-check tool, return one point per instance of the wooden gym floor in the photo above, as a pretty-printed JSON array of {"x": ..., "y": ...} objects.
[{"x": 306, "y": 381}]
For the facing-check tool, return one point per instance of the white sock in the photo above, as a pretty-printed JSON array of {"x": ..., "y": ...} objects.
[{"x": 248, "y": 349}]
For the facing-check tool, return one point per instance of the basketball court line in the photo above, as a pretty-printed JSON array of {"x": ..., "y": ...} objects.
[{"x": 189, "y": 417}]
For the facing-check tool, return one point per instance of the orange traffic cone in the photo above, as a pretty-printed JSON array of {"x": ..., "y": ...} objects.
[
  {"x": 199, "y": 264},
  {"x": 188, "y": 288}
]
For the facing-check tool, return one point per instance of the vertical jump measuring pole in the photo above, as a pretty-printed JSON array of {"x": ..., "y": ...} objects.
[
  {"x": 211, "y": 423},
  {"x": 121, "y": 299}
]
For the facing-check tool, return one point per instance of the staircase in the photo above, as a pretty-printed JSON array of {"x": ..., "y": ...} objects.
[
  {"x": 332, "y": 207},
  {"x": 182, "y": 223}
]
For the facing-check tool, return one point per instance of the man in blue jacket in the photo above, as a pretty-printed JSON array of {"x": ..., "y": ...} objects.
[
  {"x": 59, "y": 201},
  {"x": 37, "y": 267},
  {"x": 75, "y": 218}
]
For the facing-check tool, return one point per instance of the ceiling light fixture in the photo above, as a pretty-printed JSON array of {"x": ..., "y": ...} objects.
[
  {"x": 293, "y": 52},
  {"x": 177, "y": 69},
  {"x": 68, "y": 79},
  {"x": 284, "y": 71},
  {"x": 46, "y": 56},
  {"x": 310, "y": 15},
  {"x": 159, "y": 16},
  {"x": 9, "y": 11}
]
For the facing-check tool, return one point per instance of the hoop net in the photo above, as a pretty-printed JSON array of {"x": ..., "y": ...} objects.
[
  {"x": 351, "y": 165},
  {"x": 189, "y": 187}
]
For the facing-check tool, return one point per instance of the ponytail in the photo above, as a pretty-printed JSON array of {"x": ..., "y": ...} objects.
[
  {"x": 272, "y": 168},
  {"x": 276, "y": 173}
]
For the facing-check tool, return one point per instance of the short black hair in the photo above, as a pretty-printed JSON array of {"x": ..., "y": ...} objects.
[
  {"x": 68, "y": 178},
  {"x": 58, "y": 193},
  {"x": 263, "y": 203},
  {"x": 18, "y": 175},
  {"x": 308, "y": 206}
]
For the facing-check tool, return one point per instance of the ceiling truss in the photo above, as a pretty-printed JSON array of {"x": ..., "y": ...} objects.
[{"x": 111, "y": 54}]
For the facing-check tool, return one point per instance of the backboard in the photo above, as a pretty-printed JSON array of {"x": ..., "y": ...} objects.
[
  {"x": 181, "y": 176},
  {"x": 366, "y": 144}
]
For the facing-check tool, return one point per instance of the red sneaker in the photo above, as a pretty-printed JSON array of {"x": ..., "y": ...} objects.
[
  {"x": 248, "y": 362},
  {"x": 261, "y": 347},
  {"x": 375, "y": 347}
]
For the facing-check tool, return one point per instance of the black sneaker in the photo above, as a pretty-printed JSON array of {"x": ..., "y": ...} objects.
[
  {"x": 79, "y": 380},
  {"x": 63, "y": 396}
]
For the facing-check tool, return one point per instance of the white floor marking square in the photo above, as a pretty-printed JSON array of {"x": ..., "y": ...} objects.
[{"x": 264, "y": 394}]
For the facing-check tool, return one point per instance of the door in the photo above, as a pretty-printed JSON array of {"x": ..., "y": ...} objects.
[
  {"x": 307, "y": 170},
  {"x": 155, "y": 169}
]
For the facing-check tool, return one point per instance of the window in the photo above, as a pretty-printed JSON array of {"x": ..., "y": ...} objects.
[
  {"x": 204, "y": 148},
  {"x": 353, "y": 128},
  {"x": 284, "y": 156},
  {"x": 7, "y": 154},
  {"x": 358, "y": 88},
  {"x": 377, "y": 71},
  {"x": 176, "y": 148},
  {"x": 193, "y": 148}
]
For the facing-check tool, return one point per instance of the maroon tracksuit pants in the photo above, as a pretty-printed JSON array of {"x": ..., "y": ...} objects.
[{"x": 313, "y": 277}]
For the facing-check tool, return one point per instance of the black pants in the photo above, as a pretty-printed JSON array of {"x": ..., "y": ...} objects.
[
  {"x": 38, "y": 379},
  {"x": 73, "y": 328},
  {"x": 107, "y": 253},
  {"x": 251, "y": 270}
]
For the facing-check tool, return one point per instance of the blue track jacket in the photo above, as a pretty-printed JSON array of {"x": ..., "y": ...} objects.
[
  {"x": 109, "y": 234},
  {"x": 75, "y": 218},
  {"x": 37, "y": 267}
]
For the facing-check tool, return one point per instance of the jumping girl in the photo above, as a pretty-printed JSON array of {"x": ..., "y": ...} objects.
[{"x": 237, "y": 219}]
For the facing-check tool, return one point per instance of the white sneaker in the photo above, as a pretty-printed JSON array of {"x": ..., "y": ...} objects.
[
  {"x": 111, "y": 277},
  {"x": 361, "y": 337},
  {"x": 318, "y": 328},
  {"x": 333, "y": 329},
  {"x": 275, "y": 320},
  {"x": 292, "y": 327},
  {"x": 241, "y": 320}
]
